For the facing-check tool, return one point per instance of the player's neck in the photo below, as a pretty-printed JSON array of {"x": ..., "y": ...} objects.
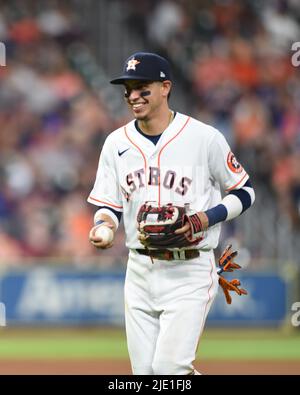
[{"x": 158, "y": 124}]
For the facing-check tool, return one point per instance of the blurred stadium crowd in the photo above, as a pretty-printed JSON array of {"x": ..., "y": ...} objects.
[
  {"x": 233, "y": 61},
  {"x": 52, "y": 129}
]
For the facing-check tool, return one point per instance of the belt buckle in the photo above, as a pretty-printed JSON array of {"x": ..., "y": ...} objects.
[{"x": 179, "y": 255}]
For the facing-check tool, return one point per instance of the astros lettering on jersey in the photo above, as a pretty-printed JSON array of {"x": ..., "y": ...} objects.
[{"x": 190, "y": 164}]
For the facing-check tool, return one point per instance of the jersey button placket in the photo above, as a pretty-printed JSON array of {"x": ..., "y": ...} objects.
[{"x": 152, "y": 179}]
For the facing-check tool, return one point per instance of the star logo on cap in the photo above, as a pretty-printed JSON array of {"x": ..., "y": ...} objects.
[{"x": 131, "y": 64}]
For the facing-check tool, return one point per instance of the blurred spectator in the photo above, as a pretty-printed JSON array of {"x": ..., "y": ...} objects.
[
  {"x": 233, "y": 60},
  {"x": 52, "y": 127},
  {"x": 280, "y": 23},
  {"x": 165, "y": 22}
]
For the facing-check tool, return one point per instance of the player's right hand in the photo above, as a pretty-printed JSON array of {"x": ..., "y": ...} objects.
[{"x": 96, "y": 240}]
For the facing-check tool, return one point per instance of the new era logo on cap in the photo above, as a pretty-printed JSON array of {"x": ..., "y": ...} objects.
[{"x": 144, "y": 66}]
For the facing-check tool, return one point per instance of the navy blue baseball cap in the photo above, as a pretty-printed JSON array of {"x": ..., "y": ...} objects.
[{"x": 144, "y": 66}]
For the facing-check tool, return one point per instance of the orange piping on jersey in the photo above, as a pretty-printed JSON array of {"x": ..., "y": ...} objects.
[
  {"x": 229, "y": 189},
  {"x": 209, "y": 298},
  {"x": 159, "y": 154},
  {"x": 105, "y": 203},
  {"x": 144, "y": 157}
]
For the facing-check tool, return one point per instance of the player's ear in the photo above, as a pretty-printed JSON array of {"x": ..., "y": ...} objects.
[{"x": 166, "y": 88}]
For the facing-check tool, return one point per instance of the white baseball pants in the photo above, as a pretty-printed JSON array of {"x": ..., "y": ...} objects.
[{"x": 166, "y": 305}]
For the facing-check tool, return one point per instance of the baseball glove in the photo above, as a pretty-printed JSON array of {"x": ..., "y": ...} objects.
[
  {"x": 157, "y": 225},
  {"x": 226, "y": 264}
]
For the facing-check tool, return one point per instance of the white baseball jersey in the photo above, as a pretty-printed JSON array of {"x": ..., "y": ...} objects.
[{"x": 190, "y": 164}]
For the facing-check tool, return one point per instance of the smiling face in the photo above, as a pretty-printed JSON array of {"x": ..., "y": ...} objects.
[{"x": 146, "y": 98}]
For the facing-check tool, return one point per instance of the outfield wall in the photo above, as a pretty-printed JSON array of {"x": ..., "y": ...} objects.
[{"x": 70, "y": 296}]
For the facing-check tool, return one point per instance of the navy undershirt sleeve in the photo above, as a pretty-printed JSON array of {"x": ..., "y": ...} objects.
[
  {"x": 219, "y": 213},
  {"x": 244, "y": 197},
  {"x": 216, "y": 214},
  {"x": 117, "y": 213}
]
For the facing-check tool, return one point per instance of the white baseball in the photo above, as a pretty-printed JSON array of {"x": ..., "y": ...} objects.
[{"x": 105, "y": 233}]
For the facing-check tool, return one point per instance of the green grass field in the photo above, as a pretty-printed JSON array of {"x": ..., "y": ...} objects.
[{"x": 111, "y": 343}]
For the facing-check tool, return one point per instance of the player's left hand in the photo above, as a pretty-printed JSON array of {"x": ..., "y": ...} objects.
[{"x": 186, "y": 228}]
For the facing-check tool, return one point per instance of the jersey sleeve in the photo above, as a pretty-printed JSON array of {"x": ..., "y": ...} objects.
[
  {"x": 223, "y": 165},
  {"x": 106, "y": 191}
]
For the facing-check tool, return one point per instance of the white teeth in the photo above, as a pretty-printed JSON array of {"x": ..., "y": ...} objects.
[{"x": 136, "y": 106}]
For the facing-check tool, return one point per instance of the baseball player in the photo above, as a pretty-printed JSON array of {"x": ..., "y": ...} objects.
[{"x": 164, "y": 156}]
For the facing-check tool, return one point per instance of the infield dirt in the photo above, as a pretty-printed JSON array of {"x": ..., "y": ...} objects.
[{"x": 121, "y": 367}]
